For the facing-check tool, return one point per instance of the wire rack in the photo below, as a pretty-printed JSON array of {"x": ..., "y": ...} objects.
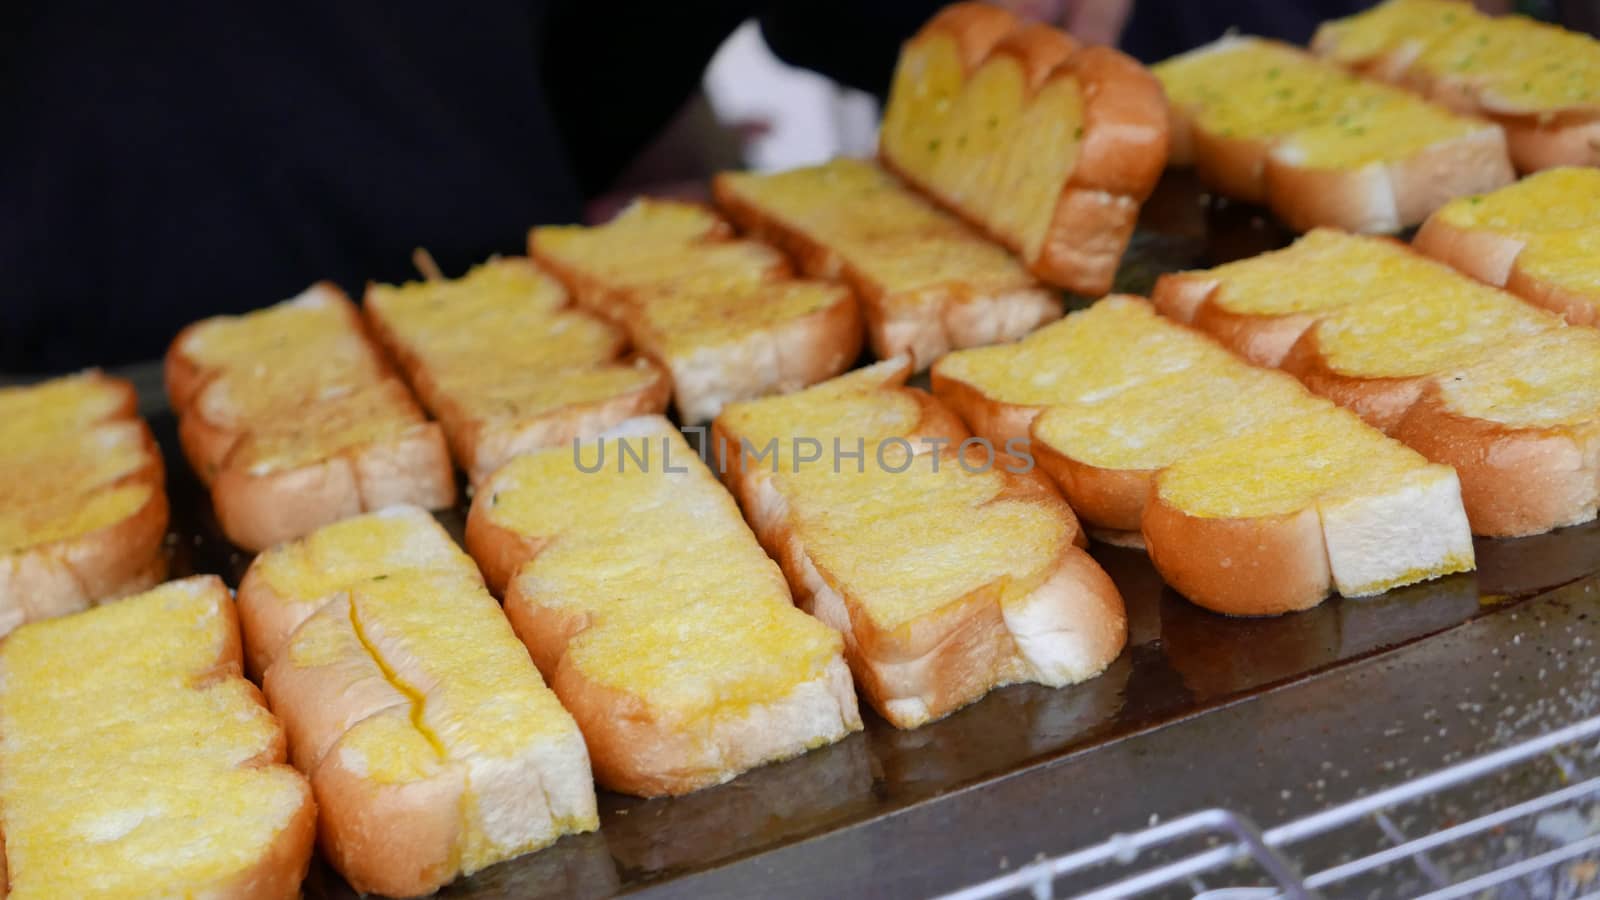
[{"x": 1522, "y": 822}]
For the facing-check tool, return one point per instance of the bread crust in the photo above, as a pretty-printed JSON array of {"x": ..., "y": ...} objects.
[
  {"x": 1576, "y": 307},
  {"x": 259, "y": 510},
  {"x": 976, "y": 28},
  {"x": 1124, "y": 142},
  {"x": 359, "y": 833},
  {"x": 1382, "y": 402},
  {"x": 1258, "y": 566},
  {"x": 1112, "y": 499},
  {"x": 1514, "y": 481},
  {"x": 994, "y": 419},
  {"x": 1483, "y": 253},
  {"x": 1538, "y": 143}
]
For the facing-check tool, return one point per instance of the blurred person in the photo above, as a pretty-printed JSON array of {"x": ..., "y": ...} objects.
[{"x": 159, "y": 164}]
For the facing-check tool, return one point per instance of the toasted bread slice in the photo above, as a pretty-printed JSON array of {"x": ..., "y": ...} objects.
[
  {"x": 1049, "y": 147},
  {"x": 1267, "y": 123},
  {"x": 1106, "y": 468},
  {"x": 1369, "y": 334},
  {"x": 929, "y": 284},
  {"x": 722, "y": 316},
  {"x": 1000, "y": 390},
  {"x": 506, "y": 364},
  {"x": 642, "y": 595},
  {"x": 1246, "y": 489},
  {"x": 1537, "y": 80},
  {"x": 1522, "y": 426},
  {"x": 178, "y": 787},
  {"x": 1402, "y": 327},
  {"x": 1537, "y": 238},
  {"x": 947, "y": 570},
  {"x": 83, "y": 506},
  {"x": 434, "y": 747},
  {"x": 293, "y": 419},
  {"x": 1271, "y": 520}
]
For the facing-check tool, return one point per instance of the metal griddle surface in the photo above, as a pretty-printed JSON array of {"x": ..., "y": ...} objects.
[{"x": 1181, "y": 662}]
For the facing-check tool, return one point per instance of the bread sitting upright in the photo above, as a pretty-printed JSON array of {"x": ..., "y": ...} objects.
[
  {"x": 83, "y": 508},
  {"x": 137, "y": 762},
  {"x": 1538, "y": 238},
  {"x": 927, "y": 282},
  {"x": 507, "y": 364},
  {"x": 722, "y": 315},
  {"x": 662, "y": 626},
  {"x": 947, "y": 571},
  {"x": 1539, "y": 81},
  {"x": 1267, "y": 123},
  {"x": 1392, "y": 335},
  {"x": 1047, "y": 146},
  {"x": 432, "y": 744},
  {"x": 1252, "y": 496},
  {"x": 293, "y": 419}
]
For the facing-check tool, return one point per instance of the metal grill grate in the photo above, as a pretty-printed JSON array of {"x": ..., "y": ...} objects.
[{"x": 1522, "y": 822}]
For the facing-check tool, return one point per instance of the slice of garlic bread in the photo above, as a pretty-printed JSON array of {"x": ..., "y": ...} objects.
[
  {"x": 1522, "y": 426},
  {"x": 1393, "y": 327},
  {"x": 433, "y": 745},
  {"x": 1248, "y": 491},
  {"x": 292, "y": 418},
  {"x": 507, "y": 364},
  {"x": 928, "y": 282},
  {"x": 947, "y": 565},
  {"x": 721, "y": 315},
  {"x": 1267, "y": 123},
  {"x": 83, "y": 504},
  {"x": 1537, "y": 238},
  {"x": 1537, "y": 80},
  {"x": 178, "y": 787},
  {"x": 1047, "y": 146},
  {"x": 644, "y": 598}
]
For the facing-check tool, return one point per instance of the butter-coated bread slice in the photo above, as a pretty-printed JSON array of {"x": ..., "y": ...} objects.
[
  {"x": 928, "y": 283},
  {"x": 433, "y": 746},
  {"x": 83, "y": 504},
  {"x": 1522, "y": 426},
  {"x": 1252, "y": 496},
  {"x": 1047, "y": 146},
  {"x": 1383, "y": 329},
  {"x": 1538, "y": 80},
  {"x": 644, "y": 598},
  {"x": 723, "y": 316},
  {"x": 138, "y": 762},
  {"x": 506, "y": 363},
  {"x": 1538, "y": 238},
  {"x": 948, "y": 565},
  {"x": 293, "y": 419},
  {"x": 1000, "y": 390},
  {"x": 1267, "y": 123}
]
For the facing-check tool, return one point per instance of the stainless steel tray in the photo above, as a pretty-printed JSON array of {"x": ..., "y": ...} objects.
[{"x": 854, "y": 817}]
